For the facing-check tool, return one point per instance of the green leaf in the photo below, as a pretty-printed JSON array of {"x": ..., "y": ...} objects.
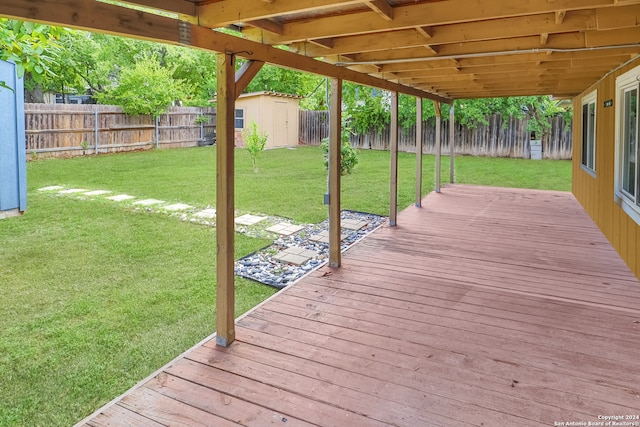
[{"x": 4, "y": 85}]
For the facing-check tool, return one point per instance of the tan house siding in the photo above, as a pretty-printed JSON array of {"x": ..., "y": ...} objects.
[{"x": 597, "y": 194}]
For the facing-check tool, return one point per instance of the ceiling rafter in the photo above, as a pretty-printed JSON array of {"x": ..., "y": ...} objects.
[
  {"x": 449, "y": 48},
  {"x": 382, "y": 8},
  {"x": 269, "y": 25},
  {"x": 226, "y": 12},
  {"x": 461, "y": 33},
  {"x": 417, "y": 15}
]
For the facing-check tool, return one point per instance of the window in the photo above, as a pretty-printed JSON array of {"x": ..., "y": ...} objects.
[
  {"x": 239, "y": 116},
  {"x": 628, "y": 155},
  {"x": 589, "y": 131}
]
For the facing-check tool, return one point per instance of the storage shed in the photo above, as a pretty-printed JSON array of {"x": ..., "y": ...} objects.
[
  {"x": 13, "y": 164},
  {"x": 275, "y": 113}
]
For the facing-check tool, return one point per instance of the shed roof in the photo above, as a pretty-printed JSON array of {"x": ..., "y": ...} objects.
[{"x": 270, "y": 94}]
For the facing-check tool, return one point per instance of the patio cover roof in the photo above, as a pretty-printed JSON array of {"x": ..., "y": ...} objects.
[{"x": 441, "y": 50}]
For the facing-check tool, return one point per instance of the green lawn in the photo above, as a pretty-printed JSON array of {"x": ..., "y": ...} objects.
[{"x": 97, "y": 295}]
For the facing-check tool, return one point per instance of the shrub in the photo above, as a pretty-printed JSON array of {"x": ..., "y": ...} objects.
[
  {"x": 348, "y": 154},
  {"x": 254, "y": 142}
]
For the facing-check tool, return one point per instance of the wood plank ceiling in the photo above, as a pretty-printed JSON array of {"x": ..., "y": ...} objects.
[
  {"x": 453, "y": 48},
  {"x": 448, "y": 48}
]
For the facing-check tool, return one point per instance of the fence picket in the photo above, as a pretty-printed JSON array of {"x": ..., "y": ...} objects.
[
  {"x": 70, "y": 130},
  {"x": 493, "y": 139}
]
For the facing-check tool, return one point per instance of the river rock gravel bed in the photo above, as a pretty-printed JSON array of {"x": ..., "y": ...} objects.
[{"x": 263, "y": 267}]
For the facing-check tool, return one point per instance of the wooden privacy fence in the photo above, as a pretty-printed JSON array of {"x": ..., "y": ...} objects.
[
  {"x": 72, "y": 130},
  {"x": 493, "y": 139}
]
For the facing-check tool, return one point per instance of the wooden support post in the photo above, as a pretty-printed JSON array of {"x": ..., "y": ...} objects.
[
  {"x": 225, "y": 289},
  {"x": 335, "y": 141},
  {"x": 419, "y": 140},
  {"x": 438, "y": 144},
  {"x": 393, "y": 202},
  {"x": 452, "y": 143}
]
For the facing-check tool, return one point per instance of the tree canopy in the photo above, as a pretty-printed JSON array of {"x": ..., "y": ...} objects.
[{"x": 34, "y": 48}]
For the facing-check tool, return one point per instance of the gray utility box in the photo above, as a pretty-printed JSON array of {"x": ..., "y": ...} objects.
[
  {"x": 13, "y": 156},
  {"x": 536, "y": 149}
]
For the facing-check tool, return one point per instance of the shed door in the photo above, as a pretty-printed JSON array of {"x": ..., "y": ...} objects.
[
  {"x": 281, "y": 125},
  {"x": 13, "y": 161}
]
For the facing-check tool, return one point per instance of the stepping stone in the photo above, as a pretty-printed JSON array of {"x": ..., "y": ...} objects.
[
  {"x": 148, "y": 202},
  {"x": 285, "y": 229},
  {"x": 178, "y": 207},
  {"x": 121, "y": 197},
  {"x": 51, "y": 188},
  {"x": 207, "y": 213},
  {"x": 352, "y": 224},
  {"x": 249, "y": 219},
  {"x": 323, "y": 237},
  {"x": 97, "y": 193},
  {"x": 73, "y": 190},
  {"x": 295, "y": 255}
]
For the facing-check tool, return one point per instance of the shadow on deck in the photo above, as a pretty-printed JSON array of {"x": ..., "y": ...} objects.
[{"x": 486, "y": 307}]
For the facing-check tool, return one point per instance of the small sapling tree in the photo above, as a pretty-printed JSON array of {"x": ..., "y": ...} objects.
[{"x": 254, "y": 142}]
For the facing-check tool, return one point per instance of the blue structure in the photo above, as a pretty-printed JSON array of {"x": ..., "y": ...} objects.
[{"x": 13, "y": 157}]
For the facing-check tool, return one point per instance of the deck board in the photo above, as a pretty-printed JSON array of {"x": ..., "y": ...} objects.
[{"x": 485, "y": 307}]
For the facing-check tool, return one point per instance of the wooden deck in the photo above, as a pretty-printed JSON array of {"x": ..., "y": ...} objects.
[{"x": 486, "y": 307}]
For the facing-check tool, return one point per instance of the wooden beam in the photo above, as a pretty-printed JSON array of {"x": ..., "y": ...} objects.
[
  {"x": 216, "y": 41},
  {"x": 335, "y": 142},
  {"x": 419, "y": 15},
  {"x": 393, "y": 170},
  {"x": 225, "y": 288},
  {"x": 543, "y": 38},
  {"x": 267, "y": 24},
  {"x": 182, "y": 8},
  {"x": 222, "y": 13},
  {"x": 111, "y": 19},
  {"x": 427, "y": 32},
  {"x": 495, "y": 29},
  {"x": 419, "y": 142},
  {"x": 323, "y": 43},
  {"x": 618, "y": 17},
  {"x": 436, "y": 105},
  {"x": 382, "y": 8},
  {"x": 245, "y": 74},
  {"x": 560, "y": 15},
  {"x": 522, "y": 45},
  {"x": 452, "y": 142},
  {"x": 612, "y": 37}
]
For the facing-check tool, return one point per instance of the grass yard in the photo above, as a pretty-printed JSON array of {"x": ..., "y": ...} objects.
[{"x": 98, "y": 296}]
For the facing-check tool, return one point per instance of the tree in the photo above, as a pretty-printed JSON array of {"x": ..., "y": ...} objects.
[
  {"x": 34, "y": 48},
  {"x": 254, "y": 142},
  {"x": 146, "y": 88}
]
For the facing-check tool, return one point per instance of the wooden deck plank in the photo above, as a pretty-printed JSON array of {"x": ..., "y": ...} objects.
[
  {"x": 248, "y": 389},
  {"x": 480, "y": 389},
  {"x": 481, "y": 371},
  {"x": 117, "y": 416},
  {"x": 226, "y": 406},
  {"x": 390, "y": 315},
  {"x": 485, "y": 307},
  {"x": 554, "y": 359}
]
